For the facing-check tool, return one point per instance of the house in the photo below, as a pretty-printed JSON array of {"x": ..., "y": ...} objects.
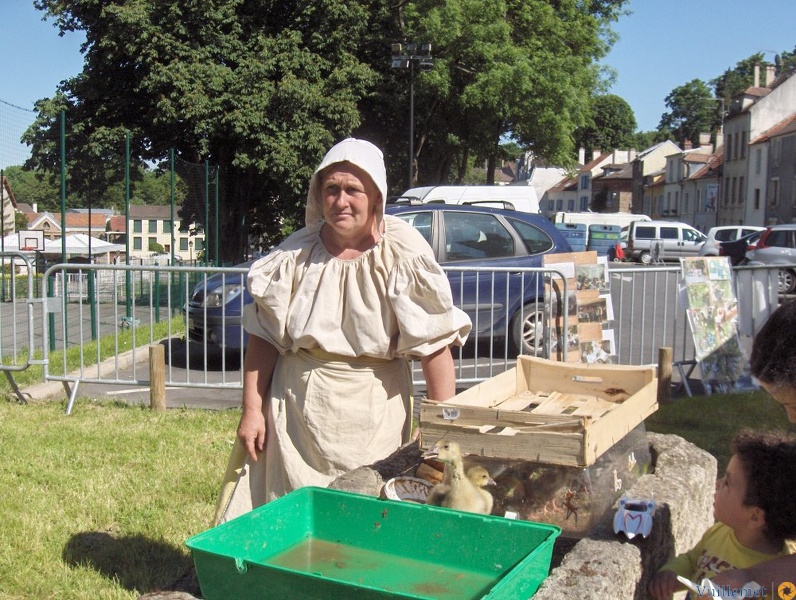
[
  {"x": 777, "y": 149},
  {"x": 648, "y": 165},
  {"x": 151, "y": 225},
  {"x": 753, "y": 112}
]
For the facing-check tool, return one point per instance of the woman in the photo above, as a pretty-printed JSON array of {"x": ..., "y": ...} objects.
[
  {"x": 773, "y": 362},
  {"x": 339, "y": 307}
]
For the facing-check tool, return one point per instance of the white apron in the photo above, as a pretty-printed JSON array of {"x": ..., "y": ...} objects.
[{"x": 328, "y": 415}]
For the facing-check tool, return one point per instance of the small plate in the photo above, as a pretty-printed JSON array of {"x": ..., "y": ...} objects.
[{"x": 407, "y": 489}]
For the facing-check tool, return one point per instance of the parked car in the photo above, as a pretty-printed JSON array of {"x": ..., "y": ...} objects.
[
  {"x": 725, "y": 233},
  {"x": 214, "y": 310},
  {"x": 777, "y": 246},
  {"x": 738, "y": 250},
  {"x": 462, "y": 236},
  {"x": 473, "y": 237},
  {"x": 671, "y": 239}
]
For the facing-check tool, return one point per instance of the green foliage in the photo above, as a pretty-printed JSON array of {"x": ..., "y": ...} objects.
[
  {"x": 261, "y": 90},
  {"x": 611, "y": 125},
  {"x": 692, "y": 110},
  {"x": 734, "y": 81},
  {"x": 155, "y": 247}
]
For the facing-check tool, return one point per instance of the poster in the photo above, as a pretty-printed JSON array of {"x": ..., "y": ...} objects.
[
  {"x": 589, "y": 335},
  {"x": 712, "y": 313}
]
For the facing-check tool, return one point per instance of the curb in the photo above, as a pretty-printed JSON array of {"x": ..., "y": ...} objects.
[{"x": 48, "y": 390}]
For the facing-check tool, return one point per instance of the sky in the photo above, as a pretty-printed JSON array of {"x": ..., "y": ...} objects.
[{"x": 662, "y": 44}]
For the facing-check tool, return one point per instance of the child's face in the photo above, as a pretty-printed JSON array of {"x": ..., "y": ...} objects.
[{"x": 728, "y": 506}]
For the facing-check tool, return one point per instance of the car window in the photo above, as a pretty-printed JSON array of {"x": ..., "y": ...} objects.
[
  {"x": 780, "y": 238},
  {"x": 475, "y": 236},
  {"x": 644, "y": 232},
  {"x": 724, "y": 235},
  {"x": 669, "y": 233},
  {"x": 536, "y": 241},
  {"x": 420, "y": 221},
  {"x": 745, "y": 232},
  {"x": 692, "y": 235}
]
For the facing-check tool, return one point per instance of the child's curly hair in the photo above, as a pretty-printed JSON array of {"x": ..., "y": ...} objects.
[{"x": 769, "y": 461}]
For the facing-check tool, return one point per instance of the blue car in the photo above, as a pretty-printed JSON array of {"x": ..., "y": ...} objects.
[{"x": 501, "y": 304}]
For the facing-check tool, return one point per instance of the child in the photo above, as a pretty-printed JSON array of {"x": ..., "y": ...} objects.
[{"x": 754, "y": 511}]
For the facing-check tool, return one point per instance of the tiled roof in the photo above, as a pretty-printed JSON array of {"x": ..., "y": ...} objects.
[{"x": 787, "y": 125}]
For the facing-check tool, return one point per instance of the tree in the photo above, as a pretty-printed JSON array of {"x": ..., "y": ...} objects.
[
  {"x": 260, "y": 90},
  {"x": 693, "y": 110},
  {"x": 734, "y": 81},
  {"x": 612, "y": 124}
]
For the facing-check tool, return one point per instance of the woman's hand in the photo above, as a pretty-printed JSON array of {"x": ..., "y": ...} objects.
[
  {"x": 663, "y": 585},
  {"x": 251, "y": 432}
]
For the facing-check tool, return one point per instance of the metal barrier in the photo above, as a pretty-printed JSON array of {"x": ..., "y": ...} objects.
[
  {"x": 97, "y": 321},
  {"x": 17, "y": 325}
]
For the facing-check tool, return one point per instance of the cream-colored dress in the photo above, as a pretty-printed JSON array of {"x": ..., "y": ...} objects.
[{"x": 345, "y": 329}]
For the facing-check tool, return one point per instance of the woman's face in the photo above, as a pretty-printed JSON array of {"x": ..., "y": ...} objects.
[
  {"x": 349, "y": 198},
  {"x": 785, "y": 395}
]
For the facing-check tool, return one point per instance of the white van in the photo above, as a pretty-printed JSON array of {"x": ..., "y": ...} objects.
[
  {"x": 670, "y": 239},
  {"x": 622, "y": 219},
  {"x": 515, "y": 197}
]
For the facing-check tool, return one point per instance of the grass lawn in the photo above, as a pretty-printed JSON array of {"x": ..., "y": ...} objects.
[{"x": 98, "y": 504}]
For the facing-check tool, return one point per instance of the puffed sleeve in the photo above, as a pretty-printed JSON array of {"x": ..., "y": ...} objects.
[
  {"x": 420, "y": 295},
  {"x": 270, "y": 282}
]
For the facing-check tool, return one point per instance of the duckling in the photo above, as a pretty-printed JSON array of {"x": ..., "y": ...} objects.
[
  {"x": 481, "y": 478},
  {"x": 456, "y": 491}
]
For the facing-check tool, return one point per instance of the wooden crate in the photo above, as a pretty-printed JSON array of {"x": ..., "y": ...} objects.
[{"x": 545, "y": 411}]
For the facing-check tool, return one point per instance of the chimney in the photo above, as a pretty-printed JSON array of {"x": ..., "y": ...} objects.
[
  {"x": 704, "y": 139},
  {"x": 35, "y": 207},
  {"x": 582, "y": 156},
  {"x": 687, "y": 145},
  {"x": 770, "y": 75},
  {"x": 757, "y": 76}
]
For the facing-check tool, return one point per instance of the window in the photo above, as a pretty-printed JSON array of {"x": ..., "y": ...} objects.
[
  {"x": 151, "y": 242},
  {"x": 669, "y": 233},
  {"x": 741, "y": 190},
  {"x": 536, "y": 241},
  {"x": 551, "y": 205},
  {"x": 137, "y": 243},
  {"x": 570, "y": 205},
  {"x": 559, "y": 205},
  {"x": 728, "y": 147},
  {"x": 474, "y": 236},
  {"x": 685, "y": 202},
  {"x": 167, "y": 226},
  {"x": 743, "y": 144},
  {"x": 757, "y": 198},
  {"x": 183, "y": 244},
  {"x": 584, "y": 203},
  {"x": 691, "y": 235},
  {"x": 645, "y": 232},
  {"x": 758, "y": 160},
  {"x": 420, "y": 221},
  {"x": 724, "y": 235},
  {"x": 773, "y": 199},
  {"x": 584, "y": 182},
  {"x": 153, "y": 226},
  {"x": 138, "y": 226}
]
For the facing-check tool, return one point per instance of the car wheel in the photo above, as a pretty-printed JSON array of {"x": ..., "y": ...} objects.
[
  {"x": 787, "y": 281},
  {"x": 645, "y": 258},
  {"x": 527, "y": 330}
]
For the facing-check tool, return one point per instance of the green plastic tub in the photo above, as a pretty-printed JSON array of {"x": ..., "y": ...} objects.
[{"x": 325, "y": 544}]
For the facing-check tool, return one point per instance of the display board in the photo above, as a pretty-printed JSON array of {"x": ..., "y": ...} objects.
[
  {"x": 712, "y": 310},
  {"x": 589, "y": 335}
]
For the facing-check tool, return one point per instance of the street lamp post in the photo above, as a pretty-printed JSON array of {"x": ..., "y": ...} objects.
[{"x": 405, "y": 57}]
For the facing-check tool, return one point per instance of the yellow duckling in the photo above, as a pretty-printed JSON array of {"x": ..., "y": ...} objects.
[{"x": 457, "y": 491}]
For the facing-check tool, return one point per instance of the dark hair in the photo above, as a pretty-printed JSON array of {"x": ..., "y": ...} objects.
[
  {"x": 773, "y": 358},
  {"x": 769, "y": 461}
]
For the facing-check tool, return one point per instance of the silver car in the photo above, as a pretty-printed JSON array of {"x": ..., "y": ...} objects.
[
  {"x": 777, "y": 246},
  {"x": 725, "y": 233}
]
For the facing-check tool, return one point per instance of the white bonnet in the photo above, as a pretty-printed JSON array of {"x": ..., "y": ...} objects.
[{"x": 361, "y": 153}]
